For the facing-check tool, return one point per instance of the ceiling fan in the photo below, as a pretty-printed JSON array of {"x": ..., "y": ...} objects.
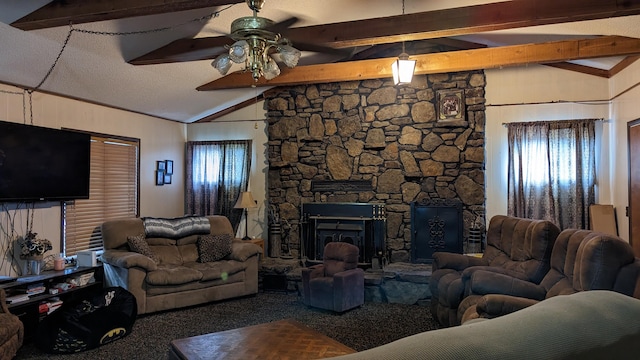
[{"x": 259, "y": 45}]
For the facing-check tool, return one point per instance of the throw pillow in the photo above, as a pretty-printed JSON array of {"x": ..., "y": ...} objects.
[
  {"x": 213, "y": 247},
  {"x": 139, "y": 244}
]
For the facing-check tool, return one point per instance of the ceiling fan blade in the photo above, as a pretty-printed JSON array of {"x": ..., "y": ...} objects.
[
  {"x": 283, "y": 25},
  {"x": 182, "y": 50},
  {"x": 302, "y": 46}
]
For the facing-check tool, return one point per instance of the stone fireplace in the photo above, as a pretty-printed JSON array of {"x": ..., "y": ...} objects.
[{"x": 369, "y": 142}]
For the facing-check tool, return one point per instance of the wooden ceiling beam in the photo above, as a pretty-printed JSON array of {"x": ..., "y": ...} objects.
[
  {"x": 580, "y": 68},
  {"x": 424, "y": 25},
  {"x": 62, "y": 13},
  {"x": 626, "y": 62},
  {"x": 231, "y": 109},
  {"x": 453, "y": 61}
]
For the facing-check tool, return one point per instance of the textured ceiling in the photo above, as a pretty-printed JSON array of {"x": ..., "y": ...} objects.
[{"x": 93, "y": 66}]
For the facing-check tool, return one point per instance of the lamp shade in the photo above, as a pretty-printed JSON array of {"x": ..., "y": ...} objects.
[
  {"x": 271, "y": 69},
  {"x": 290, "y": 55},
  {"x": 222, "y": 63},
  {"x": 238, "y": 51},
  {"x": 245, "y": 201},
  {"x": 402, "y": 69}
]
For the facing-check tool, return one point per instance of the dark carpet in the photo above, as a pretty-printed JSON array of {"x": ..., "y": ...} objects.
[{"x": 371, "y": 325}]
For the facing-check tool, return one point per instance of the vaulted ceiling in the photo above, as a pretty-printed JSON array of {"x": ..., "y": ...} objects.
[{"x": 153, "y": 56}]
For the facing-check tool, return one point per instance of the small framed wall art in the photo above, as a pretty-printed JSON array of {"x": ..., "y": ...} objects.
[
  {"x": 159, "y": 177},
  {"x": 450, "y": 104},
  {"x": 164, "y": 172}
]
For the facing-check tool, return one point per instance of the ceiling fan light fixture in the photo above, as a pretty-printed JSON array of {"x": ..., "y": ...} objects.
[
  {"x": 403, "y": 69},
  {"x": 222, "y": 63},
  {"x": 238, "y": 51},
  {"x": 271, "y": 69},
  {"x": 289, "y": 55}
]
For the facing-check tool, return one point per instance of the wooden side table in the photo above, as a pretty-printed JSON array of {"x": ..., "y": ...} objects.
[{"x": 259, "y": 242}]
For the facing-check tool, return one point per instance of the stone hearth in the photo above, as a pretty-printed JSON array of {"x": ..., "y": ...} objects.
[{"x": 401, "y": 283}]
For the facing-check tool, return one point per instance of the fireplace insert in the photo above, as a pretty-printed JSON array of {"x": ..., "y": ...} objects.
[{"x": 359, "y": 224}]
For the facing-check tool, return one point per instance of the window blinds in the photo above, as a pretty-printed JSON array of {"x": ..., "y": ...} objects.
[{"x": 113, "y": 194}]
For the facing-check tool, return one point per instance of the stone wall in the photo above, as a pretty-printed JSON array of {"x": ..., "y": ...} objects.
[{"x": 391, "y": 136}]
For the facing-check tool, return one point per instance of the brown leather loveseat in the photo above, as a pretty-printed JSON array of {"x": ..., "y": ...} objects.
[{"x": 516, "y": 247}]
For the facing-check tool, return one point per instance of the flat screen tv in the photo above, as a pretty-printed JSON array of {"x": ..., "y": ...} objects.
[{"x": 39, "y": 163}]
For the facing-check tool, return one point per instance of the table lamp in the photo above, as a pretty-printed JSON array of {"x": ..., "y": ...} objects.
[{"x": 244, "y": 202}]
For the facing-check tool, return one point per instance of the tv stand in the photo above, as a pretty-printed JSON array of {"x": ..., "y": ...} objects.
[{"x": 29, "y": 310}]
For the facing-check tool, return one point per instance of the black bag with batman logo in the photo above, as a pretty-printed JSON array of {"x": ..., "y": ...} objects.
[{"x": 105, "y": 316}]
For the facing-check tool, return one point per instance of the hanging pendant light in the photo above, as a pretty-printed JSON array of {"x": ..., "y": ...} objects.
[{"x": 403, "y": 68}]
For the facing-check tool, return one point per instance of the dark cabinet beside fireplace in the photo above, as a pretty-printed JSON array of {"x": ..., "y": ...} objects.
[{"x": 436, "y": 226}]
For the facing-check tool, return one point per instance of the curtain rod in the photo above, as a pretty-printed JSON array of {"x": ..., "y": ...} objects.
[{"x": 540, "y": 121}]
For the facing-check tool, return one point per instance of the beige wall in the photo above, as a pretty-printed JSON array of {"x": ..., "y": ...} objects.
[
  {"x": 543, "y": 93},
  {"x": 247, "y": 123},
  {"x": 513, "y": 94},
  {"x": 624, "y": 108},
  {"x": 159, "y": 140}
]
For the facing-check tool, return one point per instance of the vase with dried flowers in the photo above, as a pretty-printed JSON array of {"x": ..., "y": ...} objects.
[{"x": 32, "y": 249}]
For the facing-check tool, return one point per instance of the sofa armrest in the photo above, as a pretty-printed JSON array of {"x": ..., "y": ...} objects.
[
  {"x": 241, "y": 251},
  {"x": 309, "y": 273},
  {"x": 494, "y": 305},
  {"x": 312, "y": 272},
  {"x": 128, "y": 259},
  {"x": 458, "y": 262},
  {"x": 484, "y": 282}
]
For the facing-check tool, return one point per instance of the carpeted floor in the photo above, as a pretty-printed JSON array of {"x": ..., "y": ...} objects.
[{"x": 366, "y": 327}]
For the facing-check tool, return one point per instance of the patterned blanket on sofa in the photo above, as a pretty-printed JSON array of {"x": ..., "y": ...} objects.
[{"x": 177, "y": 227}]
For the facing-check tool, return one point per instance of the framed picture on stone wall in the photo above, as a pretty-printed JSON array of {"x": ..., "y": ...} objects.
[{"x": 450, "y": 104}]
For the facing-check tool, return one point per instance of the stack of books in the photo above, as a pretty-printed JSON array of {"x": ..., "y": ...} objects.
[
  {"x": 35, "y": 289},
  {"x": 17, "y": 298},
  {"x": 53, "y": 304}
]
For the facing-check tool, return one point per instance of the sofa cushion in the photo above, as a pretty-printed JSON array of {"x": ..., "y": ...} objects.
[
  {"x": 176, "y": 228},
  {"x": 222, "y": 269},
  {"x": 173, "y": 275},
  {"x": 167, "y": 254},
  {"x": 138, "y": 243}
]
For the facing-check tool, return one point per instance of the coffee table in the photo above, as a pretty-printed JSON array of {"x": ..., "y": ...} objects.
[{"x": 282, "y": 340}]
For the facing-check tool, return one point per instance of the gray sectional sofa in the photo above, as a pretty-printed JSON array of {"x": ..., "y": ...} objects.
[{"x": 596, "y": 324}]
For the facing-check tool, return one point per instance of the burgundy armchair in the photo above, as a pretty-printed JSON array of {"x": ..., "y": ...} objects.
[{"x": 337, "y": 284}]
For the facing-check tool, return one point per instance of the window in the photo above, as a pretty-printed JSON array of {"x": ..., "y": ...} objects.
[
  {"x": 113, "y": 194},
  {"x": 217, "y": 172},
  {"x": 552, "y": 171}
]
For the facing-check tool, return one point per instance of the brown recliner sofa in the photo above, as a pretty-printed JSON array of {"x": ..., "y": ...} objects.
[
  {"x": 179, "y": 276},
  {"x": 581, "y": 260},
  {"x": 516, "y": 247},
  {"x": 11, "y": 330}
]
